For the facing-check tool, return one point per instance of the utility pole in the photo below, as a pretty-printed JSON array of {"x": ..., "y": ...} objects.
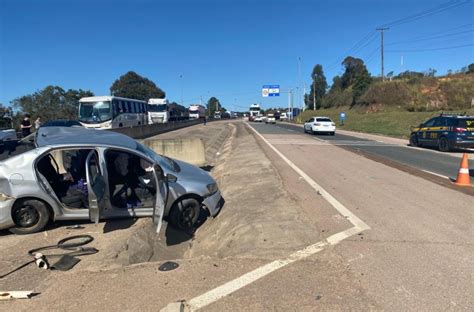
[
  {"x": 181, "y": 80},
  {"x": 300, "y": 96},
  {"x": 382, "y": 29},
  {"x": 314, "y": 94},
  {"x": 289, "y": 102}
]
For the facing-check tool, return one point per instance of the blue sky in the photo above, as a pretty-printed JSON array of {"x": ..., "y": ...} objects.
[{"x": 224, "y": 48}]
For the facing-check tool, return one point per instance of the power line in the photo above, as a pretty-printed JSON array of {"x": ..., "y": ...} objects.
[
  {"x": 434, "y": 49},
  {"x": 430, "y": 38},
  {"x": 438, "y": 9}
]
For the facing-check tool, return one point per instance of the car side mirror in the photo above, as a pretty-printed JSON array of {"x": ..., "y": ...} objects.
[{"x": 171, "y": 178}]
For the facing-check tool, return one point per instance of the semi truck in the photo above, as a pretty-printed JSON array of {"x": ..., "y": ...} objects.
[
  {"x": 197, "y": 111},
  {"x": 158, "y": 111}
]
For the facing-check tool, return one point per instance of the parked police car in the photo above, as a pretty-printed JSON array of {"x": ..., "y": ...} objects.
[{"x": 447, "y": 132}]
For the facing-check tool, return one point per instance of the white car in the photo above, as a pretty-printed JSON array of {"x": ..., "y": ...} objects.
[
  {"x": 320, "y": 125},
  {"x": 258, "y": 119},
  {"x": 270, "y": 119}
]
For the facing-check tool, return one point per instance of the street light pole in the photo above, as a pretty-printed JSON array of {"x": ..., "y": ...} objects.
[{"x": 181, "y": 83}]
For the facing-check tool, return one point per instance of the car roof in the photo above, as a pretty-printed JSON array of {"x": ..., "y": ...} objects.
[
  {"x": 82, "y": 136},
  {"x": 321, "y": 117}
]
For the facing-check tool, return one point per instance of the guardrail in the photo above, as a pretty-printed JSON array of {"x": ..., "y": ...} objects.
[{"x": 146, "y": 131}]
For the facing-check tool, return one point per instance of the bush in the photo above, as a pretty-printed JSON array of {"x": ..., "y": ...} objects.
[{"x": 391, "y": 93}]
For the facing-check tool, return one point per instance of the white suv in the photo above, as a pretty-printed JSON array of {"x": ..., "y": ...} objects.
[{"x": 320, "y": 125}]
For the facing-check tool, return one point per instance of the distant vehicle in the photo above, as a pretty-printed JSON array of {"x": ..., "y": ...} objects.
[
  {"x": 226, "y": 115},
  {"x": 197, "y": 111},
  {"x": 270, "y": 119},
  {"x": 258, "y": 118},
  {"x": 70, "y": 173},
  {"x": 254, "y": 111},
  {"x": 320, "y": 125},
  {"x": 217, "y": 115},
  {"x": 62, "y": 123},
  {"x": 158, "y": 111},
  {"x": 7, "y": 132},
  {"x": 110, "y": 112},
  {"x": 446, "y": 132}
]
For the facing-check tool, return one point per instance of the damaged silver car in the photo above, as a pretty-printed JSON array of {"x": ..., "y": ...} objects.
[{"x": 76, "y": 173}]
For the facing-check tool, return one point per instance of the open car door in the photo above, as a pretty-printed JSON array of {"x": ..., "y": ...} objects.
[
  {"x": 96, "y": 187},
  {"x": 161, "y": 196}
]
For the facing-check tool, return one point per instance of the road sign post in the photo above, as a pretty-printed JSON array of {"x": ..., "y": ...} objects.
[{"x": 342, "y": 117}]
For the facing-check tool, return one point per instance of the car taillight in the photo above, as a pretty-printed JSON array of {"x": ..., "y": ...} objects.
[
  {"x": 317, "y": 124},
  {"x": 333, "y": 124},
  {"x": 460, "y": 130}
]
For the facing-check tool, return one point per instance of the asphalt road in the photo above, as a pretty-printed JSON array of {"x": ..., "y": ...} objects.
[{"x": 428, "y": 160}]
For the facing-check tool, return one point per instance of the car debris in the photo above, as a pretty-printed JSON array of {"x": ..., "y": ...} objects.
[
  {"x": 168, "y": 266},
  {"x": 8, "y": 295}
]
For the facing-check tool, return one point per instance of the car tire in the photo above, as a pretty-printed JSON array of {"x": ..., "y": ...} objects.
[
  {"x": 30, "y": 216},
  {"x": 414, "y": 140},
  {"x": 313, "y": 132},
  {"x": 443, "y": 144},
  {"x": 185, "y": 213}
]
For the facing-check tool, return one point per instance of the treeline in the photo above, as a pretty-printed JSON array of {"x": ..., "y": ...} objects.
[{"x": 410, "y": 90}]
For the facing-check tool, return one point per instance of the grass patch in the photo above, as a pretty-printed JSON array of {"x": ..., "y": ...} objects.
[{"x": 394, "y": 123}]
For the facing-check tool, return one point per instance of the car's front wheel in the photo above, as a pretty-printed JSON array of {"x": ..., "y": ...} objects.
[
  {"x": 443, "y": 144},
  {"x": 30, "y": 216},
  {"x": 185, "y": 213},
  {"x": 414, "y": 140}
]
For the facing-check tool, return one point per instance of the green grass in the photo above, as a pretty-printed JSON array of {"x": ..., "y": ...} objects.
[{"x": 394, "y": 123}]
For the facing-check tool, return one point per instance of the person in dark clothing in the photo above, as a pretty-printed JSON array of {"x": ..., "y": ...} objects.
[{"x": 26, "y": 126}]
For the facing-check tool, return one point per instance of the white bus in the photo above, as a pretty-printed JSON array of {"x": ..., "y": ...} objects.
[
  {"x": 254, "y": 111},
  {"x": 110, "y": 112},
  {"x": 158, "y": 111}
]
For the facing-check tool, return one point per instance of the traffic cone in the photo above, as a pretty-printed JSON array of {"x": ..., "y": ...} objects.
[{"x": 463, "y": 178}]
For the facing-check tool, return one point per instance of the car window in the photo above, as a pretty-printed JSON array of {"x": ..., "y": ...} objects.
[
  {"x": 324, "y": 120},
  {"x": 440, "y": 122},
  {"x": 311, "y": 120},
  {"x": 430, "y": 122},
  {"x": 466, "y": 123}
]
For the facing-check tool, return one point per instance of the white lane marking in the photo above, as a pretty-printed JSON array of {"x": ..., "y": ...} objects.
[
  {"x": 436, "y": 174},
  {"x": 250, "y": 277}
]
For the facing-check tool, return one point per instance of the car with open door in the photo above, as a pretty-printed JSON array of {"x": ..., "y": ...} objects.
[{"x": 73, "y": 173}]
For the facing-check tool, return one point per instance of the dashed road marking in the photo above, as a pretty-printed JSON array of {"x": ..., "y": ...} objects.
[{"x": 226, "y": 289}]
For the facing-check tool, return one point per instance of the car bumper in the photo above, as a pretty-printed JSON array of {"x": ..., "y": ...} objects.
[
  {"x": 214, "y": 203},
  {"x": 324, "y": 129},
  {"x": 6, "y": 220},
  {"x": 463, "y": 144}
]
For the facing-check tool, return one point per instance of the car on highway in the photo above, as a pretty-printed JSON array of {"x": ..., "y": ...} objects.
[
  {"x": 258, "y": 118},
  {"x": 446, "y": 132},
  {"x": 270, "y": 119},
  {"x": 70, "y": 173},
  {"x": 316, "y": 125}
]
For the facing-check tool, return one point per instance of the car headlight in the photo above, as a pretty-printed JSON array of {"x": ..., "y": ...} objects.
[
  {"x": 4, "y": 197},
  {"x": 212, "y": 188}
]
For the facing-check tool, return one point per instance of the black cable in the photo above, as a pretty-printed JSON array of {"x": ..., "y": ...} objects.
[{"x": 75, "y": 249}]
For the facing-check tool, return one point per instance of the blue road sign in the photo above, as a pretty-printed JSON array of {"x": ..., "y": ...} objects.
[
  {"x": 342, "y": 116},
  {"x": 270, "y": 90}
]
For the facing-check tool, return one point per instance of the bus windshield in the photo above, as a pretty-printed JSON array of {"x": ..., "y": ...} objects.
[
  {"x": 95, "y": 112},
  {"x": 157, "y": 108}
]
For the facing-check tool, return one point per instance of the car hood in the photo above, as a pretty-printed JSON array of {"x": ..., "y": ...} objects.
[{"x": 190, "y": 172}]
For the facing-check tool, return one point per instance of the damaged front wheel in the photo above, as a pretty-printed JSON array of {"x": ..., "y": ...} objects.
[{"x": 184, "y": 214}]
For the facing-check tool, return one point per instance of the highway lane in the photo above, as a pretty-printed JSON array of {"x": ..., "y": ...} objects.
[{"x": 427, "y": 160}]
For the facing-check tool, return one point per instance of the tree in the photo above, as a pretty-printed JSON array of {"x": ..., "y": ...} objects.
[
  {"x": 356, "y": 76},
  {"x": 318, "y": 87},
  {"x": 52, "y": 102},
  {"x": 133, "y": 86},
  {"x": 213, "y": 105},
  {"x": 470, "y": 69}
]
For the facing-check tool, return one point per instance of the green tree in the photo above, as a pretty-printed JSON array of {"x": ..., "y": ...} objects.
[
  {"x": 52, "y": 102},
  {"x": 470, "y": 69},
  {"x": 213, "y": 105},
  {"x": 133, "y": 86},
  {"x": 318, "y": 87},
  {"x": 356, "y": 76}
]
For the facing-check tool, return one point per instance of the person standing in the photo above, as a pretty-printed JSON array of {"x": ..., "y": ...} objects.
[
  {"x": 38, "y": 123},
  {"x": 26, "y": 126}
]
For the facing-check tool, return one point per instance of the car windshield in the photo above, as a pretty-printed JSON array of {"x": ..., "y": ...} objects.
[
  {"x": 95, "y": 112},
  {"x": 193, "y": 110},
  {"x": 161, "y": 159},
  {"x": 157, "y": 108},
  {"x": 323, "y": 120}
]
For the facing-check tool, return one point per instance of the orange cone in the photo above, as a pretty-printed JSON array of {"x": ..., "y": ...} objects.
[{"x": 463, "y": 178}]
